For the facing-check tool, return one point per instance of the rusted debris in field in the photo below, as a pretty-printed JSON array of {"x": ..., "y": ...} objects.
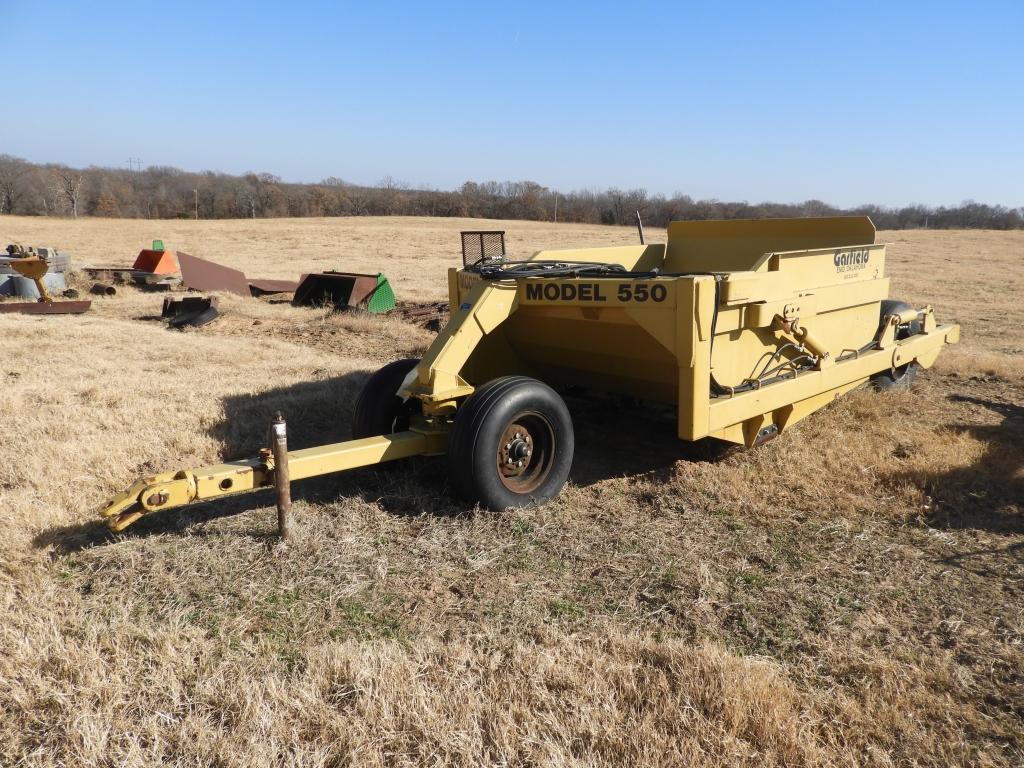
[
  {"x": 113, "y": 275},
  {"x": 261, "y": 286},
  {"x": 46, "y": 307},
  {"x": 191, "y": 310},
  {"x": 146, "y": 281},
  {"x": 432, "y": 316},
  {"x": 202, "y": 275},
  {"x": 345, "y": 290},
  {"x": 37, "y": 273}
]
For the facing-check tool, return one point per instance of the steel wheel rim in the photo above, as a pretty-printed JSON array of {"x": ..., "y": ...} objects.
[{"x": 525, "y": 452}]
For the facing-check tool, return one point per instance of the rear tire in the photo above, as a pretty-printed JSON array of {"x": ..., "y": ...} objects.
[
  {"x": 379, "y": 410},
  {"x": 897, "y": 379},
  {"x": 511, "y": 444}
]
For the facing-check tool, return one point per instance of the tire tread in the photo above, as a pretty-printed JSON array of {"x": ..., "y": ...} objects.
[{"x": 470, "y": 421}]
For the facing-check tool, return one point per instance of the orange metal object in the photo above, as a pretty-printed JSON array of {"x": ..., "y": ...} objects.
[{"x": 156, "y": 262}]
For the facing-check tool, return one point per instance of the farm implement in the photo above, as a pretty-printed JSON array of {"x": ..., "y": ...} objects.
[{"x": 744, "y": 327}]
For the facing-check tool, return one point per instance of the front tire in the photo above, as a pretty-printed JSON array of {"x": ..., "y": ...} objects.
[{"x": 511, "y": 444}]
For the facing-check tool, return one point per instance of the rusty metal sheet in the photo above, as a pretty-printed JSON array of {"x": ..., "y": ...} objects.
[
  {"x": 260, "y": 285},
  {"x": 340, "y": 289},
  {"x": 202, "y": 275},
  {"x": 45, "y": 307}
]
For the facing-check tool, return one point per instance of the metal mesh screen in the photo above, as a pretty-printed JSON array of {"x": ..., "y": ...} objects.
[{"x": 482, "y": 245}]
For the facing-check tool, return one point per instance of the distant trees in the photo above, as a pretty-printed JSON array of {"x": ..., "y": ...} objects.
[
  {"x": 12, "y": 169},
  {"x": 162, "y": 192},
  {"x": 69, "y": 187}
]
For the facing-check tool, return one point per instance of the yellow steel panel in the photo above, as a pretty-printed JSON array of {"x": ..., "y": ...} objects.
[
  {"x": 788, "y": 274},
  {"x": 486, "y": 306},
  {"x": 454, "y": 276},
  {"x": 695, "y": 307},
  {"x": 659, "y": 323},
  {"x": 821, "y": 300},
  {"x": 829, "y": 266},
  {"x": 599, "y": 293},
  {"x": 740, "y": 244},
  {"x": 745, "y": 432},
  {"x": 578, "y": 340},
  {"x": 726, "y": 411},
  {"x": 838, "y": 331}
]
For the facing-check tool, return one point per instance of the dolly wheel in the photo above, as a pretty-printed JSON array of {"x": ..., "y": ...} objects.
[
  {"x": 903, "y": 377},
  {"x": 511, "y": 444},
  {"x": 379, "y": 410}
]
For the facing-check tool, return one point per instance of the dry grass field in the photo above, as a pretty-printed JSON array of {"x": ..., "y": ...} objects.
[{"x": 851, "y": 594}]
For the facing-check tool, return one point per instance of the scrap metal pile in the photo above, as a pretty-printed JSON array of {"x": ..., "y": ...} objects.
[
  {"x": 33, "y": 273},
  {"x": 40, "y": 273}
]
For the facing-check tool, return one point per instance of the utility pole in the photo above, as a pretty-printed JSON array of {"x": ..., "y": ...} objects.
[
  {"x": 556, "y": 207},
  {"x": 196, "y": 193}
]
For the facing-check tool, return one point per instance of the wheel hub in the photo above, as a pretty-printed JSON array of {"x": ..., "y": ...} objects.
[{"x": 515, "y": 450}]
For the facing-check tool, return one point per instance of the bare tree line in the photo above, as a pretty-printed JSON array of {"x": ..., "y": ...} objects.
[{"x": 162, "y": 192}]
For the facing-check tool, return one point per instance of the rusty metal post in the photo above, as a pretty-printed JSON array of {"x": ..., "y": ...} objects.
[{"x": 282, "y": 481}]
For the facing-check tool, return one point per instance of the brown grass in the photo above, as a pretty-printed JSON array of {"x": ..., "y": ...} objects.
[{"x": 850, "y": 594}]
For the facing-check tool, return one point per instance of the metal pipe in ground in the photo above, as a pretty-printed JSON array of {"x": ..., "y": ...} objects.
[
  {"x": 282, "y": 479},
  {"x": 102, "y": 289}
]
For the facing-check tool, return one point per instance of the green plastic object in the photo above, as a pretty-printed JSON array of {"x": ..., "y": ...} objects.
[
  {"x": 383, "y": 298},
  {"x": 158, "y": 245}
]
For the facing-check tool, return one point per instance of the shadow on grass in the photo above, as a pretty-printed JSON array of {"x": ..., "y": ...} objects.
[
  {"x": 989, "y": 562},
  {"x": 989, "y": 494},
  {"x": 618, "y": 437},
  {"x": 614, "y": 438},
  {"x": 73, "y": 538}
]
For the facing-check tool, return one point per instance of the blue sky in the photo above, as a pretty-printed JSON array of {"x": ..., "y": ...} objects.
[{"x": 882, "y": 102}]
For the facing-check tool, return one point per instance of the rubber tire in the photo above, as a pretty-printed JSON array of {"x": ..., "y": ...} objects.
[
  {"x": 379, "y": 410},
  {"x": 203, "y": 317},
  {"x": 474, "y": 440},
  {"x": 897, "y": 379}
]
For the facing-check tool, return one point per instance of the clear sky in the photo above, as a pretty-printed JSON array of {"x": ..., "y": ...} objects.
[{"x": 886, "y": 102}]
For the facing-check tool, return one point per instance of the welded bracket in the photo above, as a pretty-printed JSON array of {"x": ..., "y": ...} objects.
[{"x": 439, "y": 380}]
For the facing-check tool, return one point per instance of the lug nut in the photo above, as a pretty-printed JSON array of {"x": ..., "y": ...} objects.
[{"x": 519, "y": 463}]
